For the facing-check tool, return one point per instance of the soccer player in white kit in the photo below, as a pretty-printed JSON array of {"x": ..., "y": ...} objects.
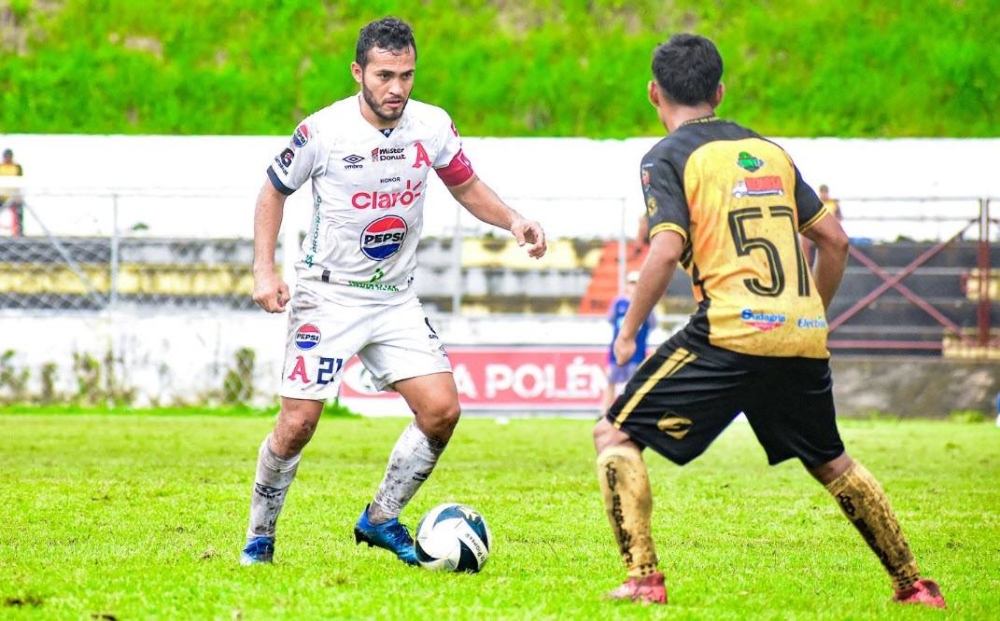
[{"x": 368, "y": 157}]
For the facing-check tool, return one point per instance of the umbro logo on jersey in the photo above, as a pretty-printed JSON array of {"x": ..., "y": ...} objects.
[{"x": 352, "y": 162}]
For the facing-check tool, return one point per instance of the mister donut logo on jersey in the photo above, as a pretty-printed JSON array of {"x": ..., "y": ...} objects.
[
  {"x": 307, "y": 336},
  {"x": 301, "y": 136},
  {"x": 383, "y": 238},
  {"x": 386, "y": 154}
]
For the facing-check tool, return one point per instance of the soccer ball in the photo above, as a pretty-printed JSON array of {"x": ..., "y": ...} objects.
[{"x": 453, "y": 537}]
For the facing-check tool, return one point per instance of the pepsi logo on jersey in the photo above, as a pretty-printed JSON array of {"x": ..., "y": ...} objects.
[
  {"x": 301, "y": 135},
  {"x": 307, "y": 336},
  {"x": 383, "y": 238}
]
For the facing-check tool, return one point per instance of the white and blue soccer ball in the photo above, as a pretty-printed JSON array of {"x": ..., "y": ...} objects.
[{"x": 453, "y": 537}]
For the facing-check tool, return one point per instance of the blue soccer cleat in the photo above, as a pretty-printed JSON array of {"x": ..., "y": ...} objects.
[
  {"x": 391, "y": 536},
  {"x": 259, "y": 550}
]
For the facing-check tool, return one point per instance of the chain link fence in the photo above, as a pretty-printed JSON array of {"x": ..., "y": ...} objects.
[
  {"x": 141, "y": 299},
  {"x": 138, "y": 299}
]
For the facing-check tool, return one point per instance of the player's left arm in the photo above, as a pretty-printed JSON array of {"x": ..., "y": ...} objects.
[
  {"x": 832, "y": 246},
  {"x": 482, "y": 202}
]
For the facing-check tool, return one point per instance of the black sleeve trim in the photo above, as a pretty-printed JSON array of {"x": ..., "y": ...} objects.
[{"x": 278, "y": 185}]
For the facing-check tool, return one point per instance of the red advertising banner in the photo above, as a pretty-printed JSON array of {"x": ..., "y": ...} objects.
[{"x": 536, "y": 378}]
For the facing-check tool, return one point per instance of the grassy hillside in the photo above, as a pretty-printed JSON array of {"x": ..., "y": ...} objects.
[{"x": 808, "y": 68}]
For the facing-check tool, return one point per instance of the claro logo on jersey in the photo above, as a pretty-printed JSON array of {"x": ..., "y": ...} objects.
[
  {"x": 388, "y": 200},
  {"x": 383, "y": 238}
]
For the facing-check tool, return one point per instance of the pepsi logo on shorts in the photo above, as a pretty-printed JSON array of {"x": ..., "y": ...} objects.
[
  {"x": 307, "y": 336},
  {"x": 383, "y": 238}
]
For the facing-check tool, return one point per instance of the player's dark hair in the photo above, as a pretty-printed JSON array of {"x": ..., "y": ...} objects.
[
  {"x": 387, "y": 33},
  {"x": 687, "y": 68}
]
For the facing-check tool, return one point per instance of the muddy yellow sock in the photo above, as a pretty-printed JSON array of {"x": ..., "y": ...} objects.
[
  {"x": 865, "y": 504},
  {"x": 628, "y": 501}
]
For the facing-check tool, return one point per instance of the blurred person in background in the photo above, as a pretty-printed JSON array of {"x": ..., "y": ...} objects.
[
  {"x": 618, "y": 374},
  {"x": 833, "y": 207},
  {"x": 367, "y": 158},
  {"x": 728, "y": 206},
  {"x": 10, "y": 198},
  {"x": 832, "y": 204}
]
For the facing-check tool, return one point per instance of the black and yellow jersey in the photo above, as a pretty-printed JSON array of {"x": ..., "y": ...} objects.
[
  {"x": 739, "y": 203},
  {"x": 9, "y": 170}
]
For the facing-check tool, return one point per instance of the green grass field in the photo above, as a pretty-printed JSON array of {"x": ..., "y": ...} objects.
[{"x": 126, "y": 516}]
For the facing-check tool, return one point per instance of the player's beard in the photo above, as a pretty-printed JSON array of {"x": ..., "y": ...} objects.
[{"x": 378, "y": 110}]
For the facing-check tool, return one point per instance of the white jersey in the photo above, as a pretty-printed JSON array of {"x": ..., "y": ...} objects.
[{"x": 368, "y": 196}]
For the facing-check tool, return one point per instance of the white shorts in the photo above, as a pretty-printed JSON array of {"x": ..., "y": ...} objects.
[{"x": 394, "y": 342}]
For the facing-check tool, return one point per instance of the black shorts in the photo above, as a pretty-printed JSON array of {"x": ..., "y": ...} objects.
[{"x": 688, "y": 391}]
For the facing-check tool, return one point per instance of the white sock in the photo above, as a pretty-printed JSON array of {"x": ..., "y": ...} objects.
[
  {"x": 410, "y": 464},
  {"x": 274, "y": 476}
]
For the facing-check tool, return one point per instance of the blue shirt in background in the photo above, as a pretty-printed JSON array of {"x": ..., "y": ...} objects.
[{"x": 616, "y": 314}]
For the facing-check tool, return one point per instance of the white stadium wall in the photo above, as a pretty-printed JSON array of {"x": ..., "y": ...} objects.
[
  {"x": 205, "y": 186},
  {"x": 575, "y": 186}
]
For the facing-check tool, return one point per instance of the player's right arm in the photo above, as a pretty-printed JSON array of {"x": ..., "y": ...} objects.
[
  {"x": 831, "y": 256},
  {"x": 665, "y": 250},
  {"x": 300, "y": 161},
  {"x": 270, "y": 291}
]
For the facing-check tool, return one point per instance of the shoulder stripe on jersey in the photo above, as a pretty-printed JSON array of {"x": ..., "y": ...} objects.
[
  {"x": 668, "y": 226},
  {"x": 278, "y": 185},
  {"x": 823, "y": 212}
]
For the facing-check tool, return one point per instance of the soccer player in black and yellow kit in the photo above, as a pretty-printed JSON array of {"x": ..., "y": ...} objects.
[{"x": 729, "y": 205}]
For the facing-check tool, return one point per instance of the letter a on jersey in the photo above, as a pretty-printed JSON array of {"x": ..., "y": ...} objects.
[
  {"x": 299, "y": 371},
  {"x": 422, "y": 158}
]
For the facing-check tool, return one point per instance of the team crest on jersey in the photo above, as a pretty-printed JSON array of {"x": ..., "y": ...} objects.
[
  {"x": 301, "y": 136},
  {"x": 383, "y": 238},
  {"x": 307, "y": 337},
  {"x": 748, "y": 162},
  {"x": 759, "y": 186},
  {"x": 284, "y": 160}
]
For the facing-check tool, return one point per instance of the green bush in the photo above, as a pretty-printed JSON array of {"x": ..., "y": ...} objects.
[{"x": 531, "y": 68}]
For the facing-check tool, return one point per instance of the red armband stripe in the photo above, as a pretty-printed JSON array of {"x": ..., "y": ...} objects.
[{"x": 457, "y": 172}]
